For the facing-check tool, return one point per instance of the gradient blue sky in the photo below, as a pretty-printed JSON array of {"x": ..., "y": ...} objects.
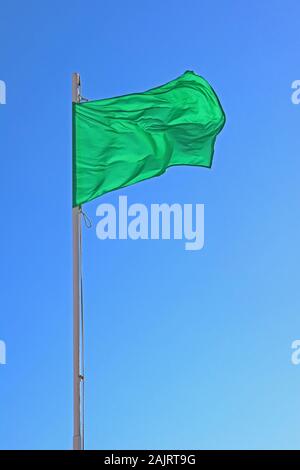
[{"x": 183, "y": 349}]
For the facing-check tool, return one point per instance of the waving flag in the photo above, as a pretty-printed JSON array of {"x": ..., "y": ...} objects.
[{"x": 121, "y": 141}]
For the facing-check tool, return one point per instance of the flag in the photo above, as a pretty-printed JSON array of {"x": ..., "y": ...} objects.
[{"x": 121, "y": 141}]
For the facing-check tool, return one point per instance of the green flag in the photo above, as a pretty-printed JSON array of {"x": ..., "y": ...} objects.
[{"x": 121, "y": 141}]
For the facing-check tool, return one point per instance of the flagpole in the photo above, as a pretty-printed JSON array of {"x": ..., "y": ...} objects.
[{"x": 76, "y": 221}]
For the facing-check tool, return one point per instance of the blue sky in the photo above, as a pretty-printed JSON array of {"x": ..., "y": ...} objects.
[{"x": 184, "y": 350}]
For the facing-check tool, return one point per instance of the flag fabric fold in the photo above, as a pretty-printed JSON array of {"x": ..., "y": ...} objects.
[{"x": 120, "y": 141}]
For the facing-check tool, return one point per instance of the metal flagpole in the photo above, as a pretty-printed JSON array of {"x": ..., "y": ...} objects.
[{"x": 77, "y": 378}]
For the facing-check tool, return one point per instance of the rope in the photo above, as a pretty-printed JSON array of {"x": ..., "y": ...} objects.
[
  {"x": 88, "y": 224},
  {"x": 86, "y": 219},
  {"x": 82, "y": 362},
  {"x": 81, "y": 341},
  {"x": 82, "y": 99}
]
